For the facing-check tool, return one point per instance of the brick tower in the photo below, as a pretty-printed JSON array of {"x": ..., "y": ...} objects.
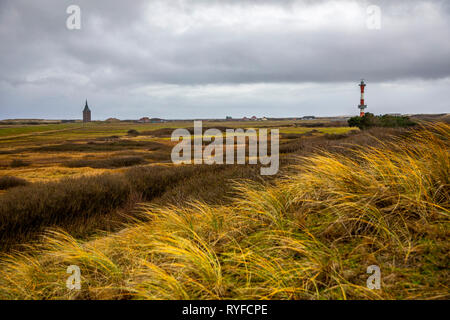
[{"x": 86, "y": 113}]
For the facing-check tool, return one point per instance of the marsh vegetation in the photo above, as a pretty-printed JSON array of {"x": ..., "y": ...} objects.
[{"x": 342, "y": 201}]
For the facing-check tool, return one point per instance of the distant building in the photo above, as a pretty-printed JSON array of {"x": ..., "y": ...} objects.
[
  {"x": 86, "y": 113},
  {"x": 245, "y": 119},
  {"x": 309, "y": 118},
  {"x": 254, "y": 118},
  {"x": 264, "y": 119},
  {"x": 144, "y": 120}
]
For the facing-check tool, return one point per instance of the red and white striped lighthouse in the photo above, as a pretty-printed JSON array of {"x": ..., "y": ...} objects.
[{"x": 362, "y": 106}]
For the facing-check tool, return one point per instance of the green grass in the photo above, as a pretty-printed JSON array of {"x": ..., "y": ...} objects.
[
  {"x": 18, "y": 130},
  {"x": 95, "y": 129}
]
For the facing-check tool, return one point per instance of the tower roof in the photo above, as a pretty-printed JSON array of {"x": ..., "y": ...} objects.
[{"x": 86, "y": 108}]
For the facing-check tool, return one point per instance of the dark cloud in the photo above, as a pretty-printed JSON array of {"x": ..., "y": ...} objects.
[{"x": 127, "y": 47}]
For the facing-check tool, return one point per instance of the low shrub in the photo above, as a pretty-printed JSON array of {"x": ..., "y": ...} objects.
[
  {"x": 133, "y": 133},
  {"x": 94, "y": 146},
  {"x": 17, "y": 163},
  {"x": 7, "y": 182},
  {"x": 118, "y": 162},
  {"x": 24, "y": 210},
  {"x": 386, "y": 121},
  {"x": 72, "y": 203}
]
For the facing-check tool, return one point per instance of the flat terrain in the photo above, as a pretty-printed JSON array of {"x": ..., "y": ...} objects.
[
  {"x": 44, "y": 157},
  {"x": 46, "y": 151},
  {"x": 107, "y": 198}
]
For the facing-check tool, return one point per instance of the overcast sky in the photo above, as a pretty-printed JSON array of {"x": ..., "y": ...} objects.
[{"x": 210, "y": 59}]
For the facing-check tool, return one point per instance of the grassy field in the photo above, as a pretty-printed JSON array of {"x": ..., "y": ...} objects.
[
  {"x": 45, "y": 150},
  {"x": 141, "y": 228},
  {"x": 18, "y": 130}
]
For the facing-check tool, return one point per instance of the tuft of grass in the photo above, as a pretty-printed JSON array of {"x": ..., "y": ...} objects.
[{"x": 312, "y": 235}]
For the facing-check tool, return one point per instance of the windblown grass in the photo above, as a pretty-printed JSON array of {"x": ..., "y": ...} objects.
[
  {"x": 311, "y": 236},
  {"x": 85, "y": 203}
]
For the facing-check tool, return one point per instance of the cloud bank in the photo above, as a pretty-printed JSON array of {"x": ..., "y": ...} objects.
[{"x": 199, "y": 58}]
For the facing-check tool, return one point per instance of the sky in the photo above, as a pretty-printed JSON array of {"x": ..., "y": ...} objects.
[{"x": 184, "y": 59}]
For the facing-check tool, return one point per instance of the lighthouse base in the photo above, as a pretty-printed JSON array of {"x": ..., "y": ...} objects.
[{"x": 362, "y": 107}]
